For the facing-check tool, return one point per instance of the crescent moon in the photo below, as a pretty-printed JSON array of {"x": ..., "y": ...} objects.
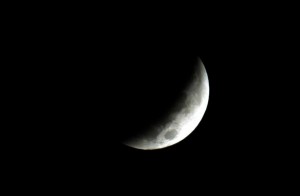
[{"x": 181, "y": 121}]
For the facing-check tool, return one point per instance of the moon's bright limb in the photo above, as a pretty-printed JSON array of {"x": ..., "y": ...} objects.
[{"x": 181, "y": 122}]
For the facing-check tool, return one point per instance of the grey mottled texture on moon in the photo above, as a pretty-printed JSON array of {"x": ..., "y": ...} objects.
[{"x": 184, "y": 117}]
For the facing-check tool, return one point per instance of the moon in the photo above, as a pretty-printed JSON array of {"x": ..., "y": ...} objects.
[{"x": 183, "y": 117}]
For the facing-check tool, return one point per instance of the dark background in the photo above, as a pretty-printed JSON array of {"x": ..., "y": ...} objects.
[
  {"x": 89, "y": 93},
  {"x": 83, "y": 82},
  {"x": 94, "y": 96}
]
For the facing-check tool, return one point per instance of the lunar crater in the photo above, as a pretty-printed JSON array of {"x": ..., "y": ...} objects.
[{"x": 171, "y": 134}]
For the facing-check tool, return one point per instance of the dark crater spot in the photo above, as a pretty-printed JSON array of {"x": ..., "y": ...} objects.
[{"x": 171, "y": 134}]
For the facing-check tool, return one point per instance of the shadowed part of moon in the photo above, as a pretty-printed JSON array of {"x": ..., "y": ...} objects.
[
  {"x": 152, "y": 135},
  {"x": 171, "y": 134}
]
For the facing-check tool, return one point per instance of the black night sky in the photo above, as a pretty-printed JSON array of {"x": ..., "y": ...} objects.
[
  {"x": 80, "y": 79},
  {"x": 114, "y": 99},
  {"x": 94, "y": 94},
  {"x": 94, "y": 89}
]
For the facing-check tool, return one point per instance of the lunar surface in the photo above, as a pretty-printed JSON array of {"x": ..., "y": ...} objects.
[{"x": 182, "y": 119}]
